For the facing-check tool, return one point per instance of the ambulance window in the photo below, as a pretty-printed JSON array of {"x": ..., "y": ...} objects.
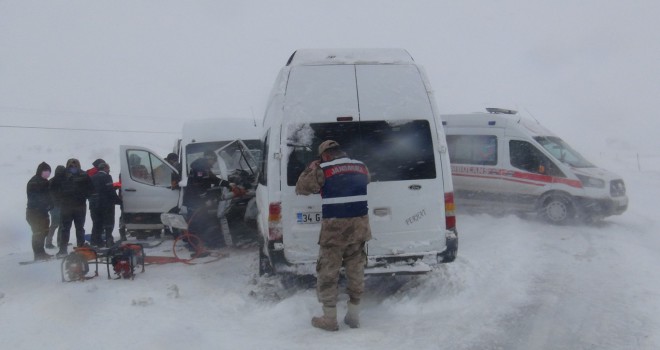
[
  {"x": 472, "y": 149},
  {"x": 527, "y": 157},
  {"x": 563, "y": 152}
]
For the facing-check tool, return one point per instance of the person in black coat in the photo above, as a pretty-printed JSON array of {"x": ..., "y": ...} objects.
[
  {"x": 72, "y": 192},
  {"x": 60, "y": 172},
  {"x": 102, "y": 206},
  {"x": 200, "y": 179},
  {"x": 36, "y": 213}
]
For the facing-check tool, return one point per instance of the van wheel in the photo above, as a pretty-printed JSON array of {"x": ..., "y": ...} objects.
[{"x": 558, "y": 209}]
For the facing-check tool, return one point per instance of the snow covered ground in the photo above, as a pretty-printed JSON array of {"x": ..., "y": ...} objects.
[
  {"x": 517, "y": 284},
  {"x": 587, "y": 70}
]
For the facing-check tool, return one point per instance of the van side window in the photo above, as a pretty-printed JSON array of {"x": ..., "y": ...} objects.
[
  {"x": 527, "y": 157},
  {"x": 263, "y": 174},
  {"x": 472, "y": 149},
  {"x": 162, "y": 172},
  {"x": 139, "y": 166}
]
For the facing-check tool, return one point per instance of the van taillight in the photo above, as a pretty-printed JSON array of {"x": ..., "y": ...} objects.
[
  {"x": 275, "y": 221},
  {"x": 450, "y": 214}
]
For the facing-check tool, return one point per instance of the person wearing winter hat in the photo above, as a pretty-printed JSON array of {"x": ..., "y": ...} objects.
[
  {"x": 72, "y": 192},
  {"x": 91, "y": 172},
  {"x": 60, "y": 171},
  {"x": 95, "y": 167},
  {"x": 102, "y": 206},
  {"x": 342, "y": 183},
  {"x": 36, "y": 213}
]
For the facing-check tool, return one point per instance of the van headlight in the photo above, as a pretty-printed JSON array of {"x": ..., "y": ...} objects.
[{"x": 588, "y": 181}]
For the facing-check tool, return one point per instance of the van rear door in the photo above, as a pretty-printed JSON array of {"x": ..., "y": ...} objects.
[
  {"x": 314, "y": 94},
  {"x": 406, "y": 194}
]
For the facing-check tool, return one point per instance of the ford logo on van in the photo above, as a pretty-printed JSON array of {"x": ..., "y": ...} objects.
[{"x": 415, "y": 187}]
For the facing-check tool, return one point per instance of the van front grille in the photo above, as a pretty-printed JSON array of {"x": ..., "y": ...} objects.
[{"x": 617, "y": 188}]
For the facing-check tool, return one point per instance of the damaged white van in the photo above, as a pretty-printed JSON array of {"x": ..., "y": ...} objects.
[
  {"x": 146, "y": 178},
  {"x": 378, "y": 104},
  {"x": 503, "y": 162}
]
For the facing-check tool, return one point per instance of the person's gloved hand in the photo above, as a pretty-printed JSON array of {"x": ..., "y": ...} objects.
[
  {"x": 238, "y": 191},
  {"x": 314, "y": 164}
]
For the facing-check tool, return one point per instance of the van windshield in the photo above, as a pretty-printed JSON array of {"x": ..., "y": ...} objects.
[
  {"x": 563, "y": 152},
  {"x": 230, "y": 156},
  {"x": 393, "y": 150}
]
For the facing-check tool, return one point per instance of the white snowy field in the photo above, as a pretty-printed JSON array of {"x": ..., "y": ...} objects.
[
  {"x": 517, "y": 284},
  {"x": 587, "y": 70}
]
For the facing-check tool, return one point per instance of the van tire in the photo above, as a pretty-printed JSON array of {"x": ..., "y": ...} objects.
[{"x": 557, "y": 209}]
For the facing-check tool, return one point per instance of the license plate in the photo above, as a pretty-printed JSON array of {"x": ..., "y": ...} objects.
[{"x": 309, "y": 218}]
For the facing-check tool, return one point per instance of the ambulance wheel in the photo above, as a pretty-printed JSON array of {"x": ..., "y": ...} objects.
[{"x": 557, "y": 209}]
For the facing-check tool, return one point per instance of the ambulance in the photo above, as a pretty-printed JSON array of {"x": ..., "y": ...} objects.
[
  {"x": 503, "y": 162},
  {"x": 379, "y": 106}
]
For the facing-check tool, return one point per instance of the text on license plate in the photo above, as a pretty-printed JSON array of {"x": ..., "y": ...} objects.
[{"x": 309, "y": 218}]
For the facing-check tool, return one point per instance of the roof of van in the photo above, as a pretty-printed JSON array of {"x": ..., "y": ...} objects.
[
  {"x": 220, "y": 129},
  {"x": 349, "y": 56},
  {"x": 495, "y": 120}
]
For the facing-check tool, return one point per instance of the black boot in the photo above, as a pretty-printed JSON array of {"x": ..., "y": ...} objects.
[
  {"x": 63, "y": 252},
  {"x": 42, "y": 256},
  {"x": 109, "y": 242}
]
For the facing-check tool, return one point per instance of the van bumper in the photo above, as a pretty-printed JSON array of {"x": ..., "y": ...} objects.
[
  {"x": 376, "y": 265},
  {"x": 399, "y": 264},
  {"x": 604, "y": 207},
  {"x": 405, "y": 264}
]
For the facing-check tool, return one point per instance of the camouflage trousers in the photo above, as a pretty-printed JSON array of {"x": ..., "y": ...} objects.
[{"x": 353, "y": 257}]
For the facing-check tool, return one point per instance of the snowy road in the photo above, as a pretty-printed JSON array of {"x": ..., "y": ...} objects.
[
  {"x": 516, "y": 284},
  {"x": 585, "y": 288}
]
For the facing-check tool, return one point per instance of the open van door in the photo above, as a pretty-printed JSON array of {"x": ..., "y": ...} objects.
[{"x": 146, "y": 188}]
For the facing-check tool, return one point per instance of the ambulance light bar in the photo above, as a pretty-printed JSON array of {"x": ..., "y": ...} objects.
[{"x": 501, "y": 111}]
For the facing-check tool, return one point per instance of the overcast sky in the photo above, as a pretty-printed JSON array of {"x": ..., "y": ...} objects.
[{"x": 589, "y": 70}]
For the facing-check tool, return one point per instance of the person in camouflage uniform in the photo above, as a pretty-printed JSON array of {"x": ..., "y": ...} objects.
[{"x": 342, "y": 183}]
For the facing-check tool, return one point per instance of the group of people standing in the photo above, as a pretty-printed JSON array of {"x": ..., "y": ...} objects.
[
  {"x": 60, "y": 202},
  {"x": 341, "y": 181}
]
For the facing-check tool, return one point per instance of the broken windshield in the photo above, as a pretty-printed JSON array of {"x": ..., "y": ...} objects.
[{"x": 230, "y": 154}]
